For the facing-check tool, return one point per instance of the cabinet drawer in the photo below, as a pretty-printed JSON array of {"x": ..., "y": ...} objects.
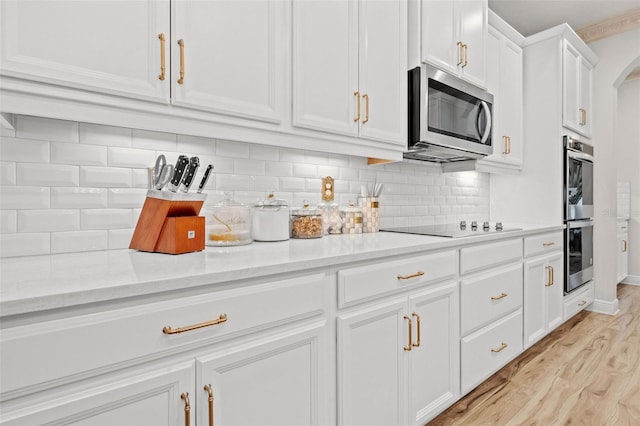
[
  {"x": 44, "y": 352},
  {"x": 490, "y": 296},
  {"x": 486, "y": 255},
  {"x": 543, "y": 243},
  {"x": 487, "y": 350},
  {"x": 578, "y": 300},
  {"x": 363, "y": 282}
]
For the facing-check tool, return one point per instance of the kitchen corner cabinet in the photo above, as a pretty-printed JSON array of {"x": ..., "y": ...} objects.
[
  {"x": 623, "y": 250},
  {"x": 453, "y": 37},
  {"x": 101, "y": 46},
  {"x": 543, "y": 286},
  {"x": 576, "y": 90},
  {"x": 350, "y": 68},
  {"x": 398, "y": 361}
]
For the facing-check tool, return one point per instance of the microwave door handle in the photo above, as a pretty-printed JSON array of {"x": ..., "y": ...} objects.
[{"x": 487, "y": 130}]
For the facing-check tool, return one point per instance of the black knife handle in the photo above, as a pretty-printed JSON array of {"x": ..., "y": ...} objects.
[
  {"x": 192, "y": 168},
  {"x": 205, "y": 178},
  {"x": 181, "y": 165}
]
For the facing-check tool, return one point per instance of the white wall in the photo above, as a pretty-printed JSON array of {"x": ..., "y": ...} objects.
[
  {"x": 70, "y": 187},
  {"x": 628, "y": 164},
  {"x": 617, "y": 54}
]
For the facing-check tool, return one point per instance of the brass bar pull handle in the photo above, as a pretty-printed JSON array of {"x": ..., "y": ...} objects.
[
  {"x": 584, "y": 302},
  {"x": 583, "y": 117},
  {"x": 357, "y": 95},
  {"x": 505, "y": 139},
  {"x": 187, "y": 408},
  {"x": 624, "y": 242},
  {"x": 460, "y": 47},
  {"x": 366, "y": 108},
  {"x": 408, "y": 347},
  {"x": 508, "y": 144},
  {"x": 549, "y": 276},
  {"x": 553, "y": 277},
  {"x": 163, "y": 65},
  {"x": 168, "y": 330},
  {"x": 209, "y": 391},
  {"x": 465, "y": 48},
  {"x": 502, "y": 347},
  {"x": 181, "y": 79},
  {"x": 549, "y": 244},
  {"x": 417, "y": 343},
  {"x": 406, "y": 277},
  {"x": 502, "y": 296}
]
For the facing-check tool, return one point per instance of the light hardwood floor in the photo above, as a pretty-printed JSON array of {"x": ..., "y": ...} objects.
[{"x": 586, "y": 372}]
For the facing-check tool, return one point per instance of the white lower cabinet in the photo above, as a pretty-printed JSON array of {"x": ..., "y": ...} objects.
[
  {"x": 623, "y": 250},
  {"x": 398, "y": 361},
  {"x": 578, "y": 299}
]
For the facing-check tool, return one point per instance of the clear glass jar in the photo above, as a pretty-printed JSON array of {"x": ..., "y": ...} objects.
[
  {"x": 351, "y": 219},
  {"x": 306, "y": 222},
  {"x": 270, "y": 220},
  {"x": 228, "y": 223},
  {"x": 335, "y": 221}
]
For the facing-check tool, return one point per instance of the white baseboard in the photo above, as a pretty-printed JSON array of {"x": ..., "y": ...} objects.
[
  {"x": 631, "y": 279},
  {"x": 605, "y": 307}
]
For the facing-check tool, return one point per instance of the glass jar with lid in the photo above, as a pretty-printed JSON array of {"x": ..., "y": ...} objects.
[
  {"x": 306, "y": 222},
  {"x": 228, "y": 223},
  {"x": 351, "y": 219},
  {"x": 270, "y": 220}
]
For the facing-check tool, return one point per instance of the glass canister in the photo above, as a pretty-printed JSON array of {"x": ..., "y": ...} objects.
[
  {"x": 228, "y": 223},
  {"x": 351, "y": 219},
  {"x": 335, "y": 221},
  {"x": 306, "y": 222},
  {"x": 270, "y": 220}
]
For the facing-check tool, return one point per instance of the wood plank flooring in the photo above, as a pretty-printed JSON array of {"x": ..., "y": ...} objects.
[{"x": 586, "y": 372}]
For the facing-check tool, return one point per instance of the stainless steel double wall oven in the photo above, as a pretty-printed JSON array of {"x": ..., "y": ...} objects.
[{"x": 578, "y": 214}]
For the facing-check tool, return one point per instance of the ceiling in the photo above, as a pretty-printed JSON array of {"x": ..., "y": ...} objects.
[{"x": 532, "y": 16}]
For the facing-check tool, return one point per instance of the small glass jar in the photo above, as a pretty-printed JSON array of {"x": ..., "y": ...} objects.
[
  {"x": 351, "y": 219},
  {"x": 335, "y": 221},
  {"x": 323, "y": 209},
  {"x": 306, "y": 222},
  {"x": 228, "y": 223},
  {"x": 270, "y": 220}
]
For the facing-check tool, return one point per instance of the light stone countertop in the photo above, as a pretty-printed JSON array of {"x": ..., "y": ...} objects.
[{"x": 40, "y": 283}]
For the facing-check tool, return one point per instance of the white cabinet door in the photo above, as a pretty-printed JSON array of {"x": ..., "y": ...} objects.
[
  {"x": 586, "y": 89},
  {"x": 276, "y": 380},
  {"x": 383, "y": 70},
  {"x": 439, "y": 35},
  {"x": 623, "y": 254},
  {"x": 325, "y": 66},
  {"x": 571, "y": 61},
  {"x": 151, "y": 398},
  {"x": 472, "y": 18},
  {"x": 106, "y": 46},
  {"x": 434, "y": 366},
  {"x": 555, "y": 292},
  {"x": 372, "y": 365},
  {"x": 233, "y": 57}
]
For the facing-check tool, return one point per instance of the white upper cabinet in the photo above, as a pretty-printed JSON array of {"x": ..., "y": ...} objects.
[
  {"x": 576, "y": 90},
  {"x": 105, "y": 46},
  {"x": 453, "y": 36},
  {"x": 350, "y": 68},
  {"x": 227, "y": 57}
]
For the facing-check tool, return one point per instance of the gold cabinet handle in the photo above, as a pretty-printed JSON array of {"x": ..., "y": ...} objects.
[
  {"x": 187, "y": 408},
  {"x": 460, "y": 47},
  {"x": 357, "y": 95},
  {"x": 550, "y": 277},
  {"x": 583, "y": 117},
  {"x": 163, "y": 66},
  {"x": 168, "y": 330},
  {"x": 417, "y": 343},
  {"x": 407, "y": 277},
  {"x": 209, "y": 391},
  {"x": 624, "y": 242},
  {"x": 502, "y": 347},
  {"x": 584, "y": 302},
  {"x": 549, "y": 244},
  {"x": 464, "y": 49},
  {"x": 502, "y": 296},
  {"x": 508, "y": 144},
  {"x": 408, "y": 347},
  {"x": 366, "y": 108},
  {"x": 181, "y": 79}
]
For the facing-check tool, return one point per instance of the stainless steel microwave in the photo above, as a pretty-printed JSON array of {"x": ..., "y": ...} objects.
[{"x": 449, "y": 119}]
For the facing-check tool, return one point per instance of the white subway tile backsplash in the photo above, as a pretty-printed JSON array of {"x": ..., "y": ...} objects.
[
  {"x": 226, "y": 182},
  {"x": 278, "y": 168},
  {"x": 126, "y": 198},
  {"x": 76, "y": 241},
  {"x": 119, "y": 238},
  {"x": 193, "y": 145},
  {"x": 8, "y": 221},
  {"x": 264, "y": 183},
  {"x": 31, "y": 174},
  {"x": 24, "y": 150},
  {"x": 264, "y": 152},
  {"x": 305, "y": 170},
  {"x": 24, "y": 197},
  {"x": 48, "y": 220},
  {"x": 106, "y": 219},
  {"x": 79, "y": 154},
  {"x": 106, "y": 177},
  {"x": 46, "y": 129},
  {"x": 155, "y": 141},
  {"x": 7, "y": 173},
  {"x": 95, "y": 134},
  {"x": 130, "y": 157},
  {"x": 293, "y": 184},
  {"x": 249, "y": 167},
  {"x": 24, "y": 244},
  {"x": 82, "y": 198},
  {"x": 232, "y": 149},
  {"x": 292, "y": 155},
  {"x": 140, "y": 178}
]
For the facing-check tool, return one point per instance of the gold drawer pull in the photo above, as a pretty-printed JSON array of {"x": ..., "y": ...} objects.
[
  {"x": 500, "y": 349},
  {"x": 584, "y": 302},
  {"x": 357, "y": 95},
  {"x": 366, "y": 108},
  {"x": 210, "y": 400},
  {"x": 549, "y": 244},
  {"x": 181, "y": 79},
  {"x": 408, "y": 347},
  {"x": 625, "y": 245},
  {"x": 187, "y": 408},
  {"x": 417, "y": 343},
  {"x": 550, "y": 277},
  {"x": 406, "y": 277},
  {"x": 168, "y": 330},
  {"x": 460, "y": 47},
  {"x": 502, "y": 296},
  {"x": 163, "y": 66}
]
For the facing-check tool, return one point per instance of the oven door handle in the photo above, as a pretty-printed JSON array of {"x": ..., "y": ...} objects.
[
  {"x": 487, "y": 130},
  {"x": 573, "y": 224},
  {"x": 579, "y": 156}
]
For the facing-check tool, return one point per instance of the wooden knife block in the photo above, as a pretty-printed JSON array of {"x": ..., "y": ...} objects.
[{"x": 169, "y": 223}]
